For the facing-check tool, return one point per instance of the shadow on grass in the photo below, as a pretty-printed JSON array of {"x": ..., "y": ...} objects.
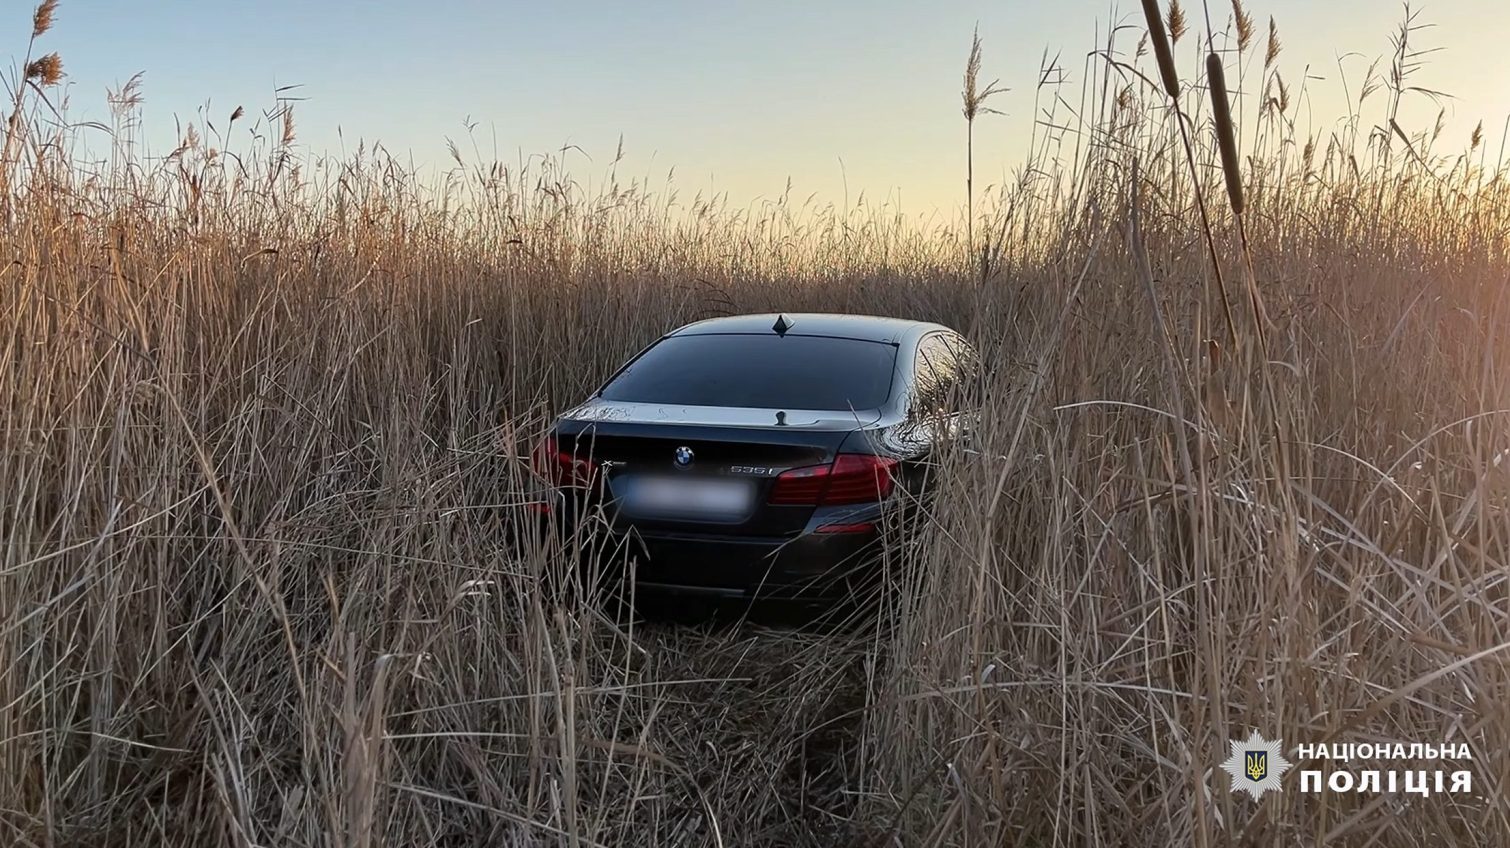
[{"x": 721, "y": 614}]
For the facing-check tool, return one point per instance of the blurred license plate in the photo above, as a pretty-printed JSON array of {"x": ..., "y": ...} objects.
[{"x": 688, "y": 496}]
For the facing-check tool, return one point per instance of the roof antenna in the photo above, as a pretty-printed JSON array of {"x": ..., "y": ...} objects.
[{"x": 781, "y": 325}]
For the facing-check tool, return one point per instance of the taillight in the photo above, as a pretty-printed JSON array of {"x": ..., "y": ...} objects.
[
  {"x": 852, "y": 479},
  {"x": 800, "y": 486},
  {"x": 561, "y": 467},
  {"x": 859, "y": 478}
]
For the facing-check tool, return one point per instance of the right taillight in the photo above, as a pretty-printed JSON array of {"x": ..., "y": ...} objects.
[
  {"x": 562, "y": 467},
  {"x": 852, "y": 478}
]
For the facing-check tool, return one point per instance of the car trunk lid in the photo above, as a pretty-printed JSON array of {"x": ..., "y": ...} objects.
[{"x": 723, "y": 461}]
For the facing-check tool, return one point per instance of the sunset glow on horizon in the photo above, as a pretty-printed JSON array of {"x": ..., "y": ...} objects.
[{"x": 847, "y": 101}]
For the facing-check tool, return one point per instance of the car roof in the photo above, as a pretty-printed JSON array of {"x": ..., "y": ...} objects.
[{"x": 873, "y": 328}]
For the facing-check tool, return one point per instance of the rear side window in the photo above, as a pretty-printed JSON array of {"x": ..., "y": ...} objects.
[
  {"x": 763, "y": 371},
  {"x": 945, "y": 366}
]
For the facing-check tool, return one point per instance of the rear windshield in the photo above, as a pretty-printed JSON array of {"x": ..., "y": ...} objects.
[{"x": 763, "y": 371}]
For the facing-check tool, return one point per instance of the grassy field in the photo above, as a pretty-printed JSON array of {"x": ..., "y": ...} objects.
[{"x": 266, "y": 418}]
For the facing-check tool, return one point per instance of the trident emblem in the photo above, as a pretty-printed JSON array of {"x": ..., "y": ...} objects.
[{"x": 1256, "y": 764}]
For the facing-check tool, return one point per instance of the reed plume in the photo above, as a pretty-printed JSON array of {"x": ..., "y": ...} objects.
[
  {"x": 1244, "y": 22},
  {"x": 1176, "y": 21},
  {"x": 47, "y": 70},
  {"x": 974, "y": 97},
  {"x": 41, "y": 19}
]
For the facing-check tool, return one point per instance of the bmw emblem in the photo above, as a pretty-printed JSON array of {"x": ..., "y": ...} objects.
[{"x": 683, "y": 456}]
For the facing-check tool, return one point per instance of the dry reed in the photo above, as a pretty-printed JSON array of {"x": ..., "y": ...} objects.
[{"x": 265, "y": 432}]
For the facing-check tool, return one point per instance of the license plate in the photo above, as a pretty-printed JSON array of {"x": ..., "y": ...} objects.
[{"x": 687, "y": 496}]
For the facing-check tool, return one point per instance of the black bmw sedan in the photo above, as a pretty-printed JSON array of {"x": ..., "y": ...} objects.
[{"x": 757, "y": 455}]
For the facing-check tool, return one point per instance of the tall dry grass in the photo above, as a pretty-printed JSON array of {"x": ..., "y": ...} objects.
[{"x": 267, "y": 420}]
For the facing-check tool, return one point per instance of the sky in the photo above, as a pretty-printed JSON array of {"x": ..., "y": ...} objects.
[{"x": 843, "y": 98}]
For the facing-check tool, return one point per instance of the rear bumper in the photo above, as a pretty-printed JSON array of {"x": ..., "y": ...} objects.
[
  {"x": 826, "y": 561},
  {"x": 813, "y": 565}
]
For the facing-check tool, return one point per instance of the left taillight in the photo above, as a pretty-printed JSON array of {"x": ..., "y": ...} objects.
[{"x": 562, "y": 467}]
